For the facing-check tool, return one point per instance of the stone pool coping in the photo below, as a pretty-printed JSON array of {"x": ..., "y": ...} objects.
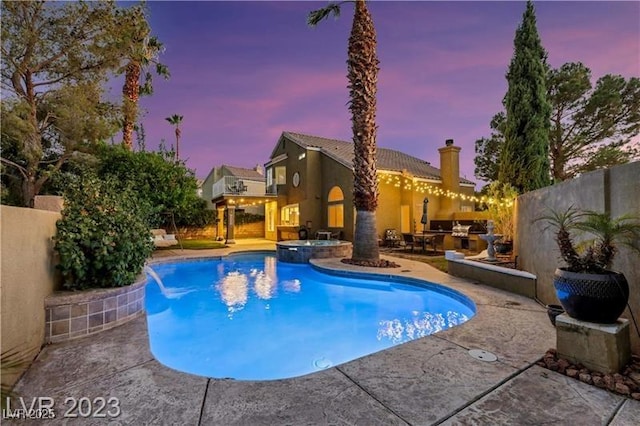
[{"x": 429, "y": 381}]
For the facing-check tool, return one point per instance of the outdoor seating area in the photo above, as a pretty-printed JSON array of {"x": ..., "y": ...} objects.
[
  {"x": 324, "y": 234},
  {"x": 238, "y": 187},
  {"x": 421, "y": 241},
  {"x": 391, "y": 238}
]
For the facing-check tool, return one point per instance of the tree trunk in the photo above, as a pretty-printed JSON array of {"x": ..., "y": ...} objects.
[
  {"x": 131, "y": 93},
  {"x": 29, "y": 190},
  {"x": 177, "y": 143},
  {"x": 365, "y": 241},
  {"x": 363, "y": 77}
]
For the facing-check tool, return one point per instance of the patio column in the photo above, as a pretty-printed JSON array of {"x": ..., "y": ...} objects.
[
  {"x": 219, "y": 221},
  {"x": 231, "y": 218}
]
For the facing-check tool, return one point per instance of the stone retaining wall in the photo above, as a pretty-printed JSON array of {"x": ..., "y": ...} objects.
[
  {"x": 511, "y": 280},
  {"x": 76, "y": 314},
  {"x": 248, "y": 230}
]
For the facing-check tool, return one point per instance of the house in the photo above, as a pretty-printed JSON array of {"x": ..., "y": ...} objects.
[
  {"x": 313, "y": 179},
  {"x": 228, "y": 188}
]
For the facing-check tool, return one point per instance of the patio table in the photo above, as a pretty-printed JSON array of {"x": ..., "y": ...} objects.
[{"x": 423, "y": 238}]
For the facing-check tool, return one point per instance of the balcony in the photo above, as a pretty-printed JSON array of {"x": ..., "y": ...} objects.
[{"x": 231, "y": 185}]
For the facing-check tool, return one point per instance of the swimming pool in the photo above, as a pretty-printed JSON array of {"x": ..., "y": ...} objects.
[{"x": 250, "y": 317}]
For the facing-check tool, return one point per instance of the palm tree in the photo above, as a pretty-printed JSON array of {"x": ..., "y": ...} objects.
[
  {"x": 176, "y": 119},
  {"x": 362, "y": 66},
  {"x": 142, "y": 52}
]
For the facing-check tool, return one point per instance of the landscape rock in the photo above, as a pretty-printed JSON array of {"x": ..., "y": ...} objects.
[
  {"x": 626, "y": 383},
  {"x": 585, "y": 378},
  {"x": 609, "y": 382},
  {"x": 572, "y": 372},
  {"x": 622, "y": 389},
  {"x": 563, "y": 364}
]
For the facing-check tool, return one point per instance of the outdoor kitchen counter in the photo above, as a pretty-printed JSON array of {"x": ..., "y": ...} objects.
[{"x": 471, "y": 242}]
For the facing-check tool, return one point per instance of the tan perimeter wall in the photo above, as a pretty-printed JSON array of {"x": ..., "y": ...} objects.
[
  {"x": 26, "y": 278},
  {"x": 616, "y": 189},
  {"x": 245, "y": 230}
]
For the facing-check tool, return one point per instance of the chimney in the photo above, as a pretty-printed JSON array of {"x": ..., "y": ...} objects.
[
  {"x": 258, "y": 168},
  {"x": 450, "y": 175}
]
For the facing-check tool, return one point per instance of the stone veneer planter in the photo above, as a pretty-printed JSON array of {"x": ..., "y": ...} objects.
[
  {"x": 300, "y": 251},
  {"x": 75, "y": 314},
  {"x": 513, "y": 280}
]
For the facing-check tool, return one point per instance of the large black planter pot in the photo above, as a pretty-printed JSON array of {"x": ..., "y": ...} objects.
[
  {"x": 597, "y": 298},
  {"x": 503, "y": 247}
]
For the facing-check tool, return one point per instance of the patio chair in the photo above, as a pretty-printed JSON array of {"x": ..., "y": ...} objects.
[
  {"x": 435, "y": 241},
  {"x": 408, "y": 241},
  {"x": 391, "y": 238},
  {"x": 323, "y": 234}
]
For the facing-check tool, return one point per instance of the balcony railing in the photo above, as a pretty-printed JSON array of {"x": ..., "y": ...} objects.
[{"x": 231, "y": 185}]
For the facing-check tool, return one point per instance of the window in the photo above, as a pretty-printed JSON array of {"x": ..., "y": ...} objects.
[
  {"x": 290, "y": 215},
  {"x": 269, "y": 176},
  {"x": 335, "y": 209},
  {"x": 281, "y": 175}
]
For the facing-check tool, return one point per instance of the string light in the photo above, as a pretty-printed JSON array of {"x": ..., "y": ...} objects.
[{"x": 416, "y": 185}]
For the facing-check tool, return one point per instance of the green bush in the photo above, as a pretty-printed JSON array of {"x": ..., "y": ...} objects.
[
  {"x": 166, "y": 186},
  {"x": 102, "y": 238}
]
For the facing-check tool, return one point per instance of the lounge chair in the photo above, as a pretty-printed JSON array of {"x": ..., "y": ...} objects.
[{"x": 160, "y": 238}]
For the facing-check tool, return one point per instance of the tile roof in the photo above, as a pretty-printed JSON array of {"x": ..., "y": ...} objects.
[
  {"x": 241, "y": 172},
  {"x": 388, "y": 159}
]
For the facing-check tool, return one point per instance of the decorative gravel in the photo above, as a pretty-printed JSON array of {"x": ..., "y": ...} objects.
[{"x": 626, "y": 383}]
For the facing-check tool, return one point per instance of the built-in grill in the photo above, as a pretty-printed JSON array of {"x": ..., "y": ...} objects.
[
  {"x": 464, "y": 236},
  {"x": 460, "y": 234},
  {"x": 460, "y": 231}
]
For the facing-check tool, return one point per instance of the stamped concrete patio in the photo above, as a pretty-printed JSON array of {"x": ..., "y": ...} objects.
[{"x": 429, "y": 381}]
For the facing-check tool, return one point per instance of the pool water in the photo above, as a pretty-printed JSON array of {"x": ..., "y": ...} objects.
[{"x": 250, "y": 317}]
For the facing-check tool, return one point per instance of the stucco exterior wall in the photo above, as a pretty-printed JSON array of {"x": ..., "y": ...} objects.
[
  {"x": 336, "y": 174},
  {"x": 388, "y": 214},
  {"x": 616, "y": 189},
  {"x": 27, "y": 276}
]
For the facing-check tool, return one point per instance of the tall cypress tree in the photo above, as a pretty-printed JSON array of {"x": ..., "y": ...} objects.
[{"x": 524, "y": 161}]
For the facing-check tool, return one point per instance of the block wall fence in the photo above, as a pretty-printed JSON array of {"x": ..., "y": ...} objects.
[{"x": 616, "y": 190}]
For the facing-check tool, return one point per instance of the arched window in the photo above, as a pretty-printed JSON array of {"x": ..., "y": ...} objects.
[{"x": 335, "y": 209}]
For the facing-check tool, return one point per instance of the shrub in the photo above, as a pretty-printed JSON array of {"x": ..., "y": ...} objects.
[
  {"x": 500, "y": 207},
  {"x": 166, "y": 186},
  {"x": 102, "y": 238}
]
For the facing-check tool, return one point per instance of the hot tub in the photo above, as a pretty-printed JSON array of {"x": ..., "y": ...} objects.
[{"x": 300, "y": 251}]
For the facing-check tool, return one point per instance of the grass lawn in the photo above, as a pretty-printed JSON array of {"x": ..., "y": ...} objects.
[
  {"x": 196, "y": 245},
  {"x": 438, "y": 262}
]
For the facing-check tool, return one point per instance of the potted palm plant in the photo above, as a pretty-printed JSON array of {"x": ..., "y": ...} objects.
[{"x": 587, "y": 288}]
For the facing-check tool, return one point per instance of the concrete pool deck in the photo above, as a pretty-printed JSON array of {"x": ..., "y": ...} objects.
[{"x": 428, "y": 381}]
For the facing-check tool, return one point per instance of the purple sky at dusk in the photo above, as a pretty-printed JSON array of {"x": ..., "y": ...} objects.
[{"x": 243, "y": 72}]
